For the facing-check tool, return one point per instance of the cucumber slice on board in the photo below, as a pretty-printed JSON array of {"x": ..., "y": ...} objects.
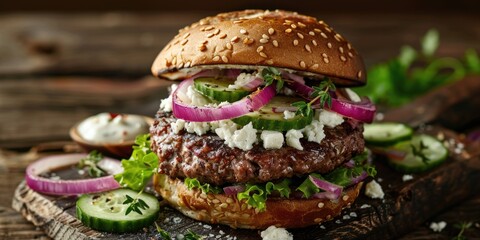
[
  {"x": 386, "y": 134},
  {"x": 266, "y": 119},
  {"x": 423, "y": 152},
  {"x": 217, "y": 89},
  {"x": 106, "y": 211}
]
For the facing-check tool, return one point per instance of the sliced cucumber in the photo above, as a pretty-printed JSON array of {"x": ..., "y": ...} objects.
[
  {"x": 266, "y": 119},
  {"x": 217, "y": 89},
  {"x": 106, "y": 211},
  {"x": 386, "y": 134},
  {"x": 423, "y": 153}
]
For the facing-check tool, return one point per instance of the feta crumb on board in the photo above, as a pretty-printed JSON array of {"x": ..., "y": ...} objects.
[
  {"x": 374, "y": 190},
  {"x": 407, "y": 177},
  {"x": 438, "y": 227},
  {"x": 274, "y": 233},
  {"x": 293, "y": 138},
  {"x": 272, "y": 139}
]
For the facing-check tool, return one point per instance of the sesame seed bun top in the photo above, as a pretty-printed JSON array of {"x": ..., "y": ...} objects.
[{"x": 253, "y": 38}]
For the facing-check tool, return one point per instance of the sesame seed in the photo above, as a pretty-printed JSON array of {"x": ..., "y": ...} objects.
[
  {"x": 293, "y": 26},
  {"x": 343, "y": 58},
  {"x": 203, "y": 22},
  {"x": 174, "y": 61},
  {"x": 271, "y": 31},
  {"x": 340, "y": 49},
  {"x": 317, "y": 30},
  {"x": 321, "y": 22},
  {"x": 326, "y": 60},
  {"x": 328, "y": 29},
  {"x": 243, "y": 31},
  {"x": 186, "y": 35},
  {"x": 216, "y": 58},
  {"x": 320, "y": 205},
  {"x": 308, "y": 48},
  {"x": 180, "y": 65},
  {"x": 223, "y": 36},
  {"x": 248, "y": 41},
  {"x": 323, "y": 35},
  {"x": 350, "y": 54},
  {"x": 263, "y": 54},
  {"x": 237, "y": 21},
  {"x": 314, "y": 66},
  {"x": 295, "y": 42},
  {"x": 288, "y": 21},
  {"x": 300, "y": 35},
  {"x": 337, "y": 38},
  {"x": 329, "y": 45},
  {"x": 187, "y": 64},
  {"x": 324, "y": 55},
  {"x": 209, "y": 28},
  {"x": 314, "y": 42},
  {"x": 224, "y": 59},
  {"x": 263, "y": 40},
  {"x": 210, "y": 35},
  {"x": 302, "y": 64},
  {"x": 345, "y": 197},
  {"x": 265, "y": 36},
  {"x": 311, "y": 33},
  {"x": 234, "y": 39},
  {"x": 359, "y": 75},
  {"x": 288, "y": 30},
  {"x": 259, "y": 49},
  {"x": 217, "y": 31},
  {"x": 317, "y": 220},
  {"x": 349, "y": 46},
  {"x": 269, "y": 61},
  {"x": 275, "y": 43},
  {"x": 300, "y": 24},
  {"x": 229, "y": 46},
  {"x": 184, "y": 42}
]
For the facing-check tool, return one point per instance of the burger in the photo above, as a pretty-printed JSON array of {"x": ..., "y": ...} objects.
[{"x": 261, "y": 128}]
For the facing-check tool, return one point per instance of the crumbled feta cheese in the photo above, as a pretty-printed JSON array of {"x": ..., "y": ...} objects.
[
  {"x": 225, "y": 129},
  {"x": 272, "y": 139},
  {"x": 288, "y": 92},
  {"x": 288, "y": 115},
  {"x": 196, "y": 99},
  {"x": 199, "y": 128},
  {"x": 407, "y": 177},
  {"x": 166, "y": 104},
  {"x": 178, "y": 125},
  {"x": 245, "y": 137},
  {"x": 242, "y": 80},
  {"x": 438, "y": 227},
  {"x": 374, "y": 190},
  {"x": 353, "y": 95},
  {"x": 293, "y": 138},
  {"x": 365, "y": 206},
  {"x": 314, "y": 132},
  {"x": 274, "y": 233},
  {"x": 330, "y": 119}
]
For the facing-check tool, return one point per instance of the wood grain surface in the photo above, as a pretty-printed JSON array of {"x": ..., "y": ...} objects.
[{"x": 56, "y": 69}]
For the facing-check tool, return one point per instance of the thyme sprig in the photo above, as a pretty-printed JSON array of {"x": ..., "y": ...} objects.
[
  {"x": 419, "y": 152},
  {"x": 321, "y": 93},
  {"x": 135, "y": 204},
  {"x": 271, "y": 74},
  {"x": 90, "y": 164}
]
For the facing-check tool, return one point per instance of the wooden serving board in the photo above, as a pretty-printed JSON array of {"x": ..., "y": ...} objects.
[{"x": 406, "y": 204}]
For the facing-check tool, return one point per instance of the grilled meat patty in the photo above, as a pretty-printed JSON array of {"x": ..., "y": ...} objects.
[{"x": 209, "y": 160}]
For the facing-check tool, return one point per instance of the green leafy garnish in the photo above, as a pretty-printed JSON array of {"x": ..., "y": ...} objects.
[
  {"x": 462, "y": 226},
  {"x": 271, "y": 74},
  {"x": 205, "y": 187},
  {"x": 189, "y": 235},
  {"x": 135, "y": 204},
  {"x": 140, "y": 167},
  {"x": 418, "y": 152},
  {"x": 415, "y": 72},
  {"x": 255, "y": 195},
  {"x": 307, "y": 187},
  {"x": 321, "y": 94},
  {"x": 89, "y": 163}
]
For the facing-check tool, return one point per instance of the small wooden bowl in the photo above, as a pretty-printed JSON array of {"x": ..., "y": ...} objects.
[{"x": 121, "y": 150}]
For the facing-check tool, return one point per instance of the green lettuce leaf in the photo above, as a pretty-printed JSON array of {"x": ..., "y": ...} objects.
[
  {"x": 140, "y": 167},
  {"x": 255, "y": 195},
  {"x": 206, "y": 187}
]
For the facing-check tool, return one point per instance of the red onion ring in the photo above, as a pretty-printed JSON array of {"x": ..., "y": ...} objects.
[
  {"x": 232, "y": 190},
  {"x": 68, "y": 187},
  {"x": 333, "y": 190},
  {"x": 250, "y": 103}
]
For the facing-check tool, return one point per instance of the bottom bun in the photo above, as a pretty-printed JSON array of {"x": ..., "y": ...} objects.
[{"x": 228, "y": 210}]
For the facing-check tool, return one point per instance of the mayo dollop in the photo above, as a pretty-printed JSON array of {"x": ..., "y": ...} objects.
[{"x": 112, "y": 128}]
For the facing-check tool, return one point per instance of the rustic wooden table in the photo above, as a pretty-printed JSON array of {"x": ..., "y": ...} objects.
[{"x": 58, "y": 69}]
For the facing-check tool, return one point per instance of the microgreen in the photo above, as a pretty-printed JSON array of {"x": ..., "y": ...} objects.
[
  {"x": 462, "y": 226},
  {"x": 135, "y": 204},
  {"x": 414, "y": 72},
  {"x": 271, "y": 74},
  {"x": 188, "y": 235},
  {"x": 320, "y": 94},
  {"x": 89, "y": 163}
]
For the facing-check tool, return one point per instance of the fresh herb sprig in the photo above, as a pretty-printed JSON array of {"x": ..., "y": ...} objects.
[
  {"x": 419, "y": 152},
  {"x": 137, "y": 172},
  {"x": 189, "y": 235},
  {"x": 271, "y": 74},
  {"x": 90, "y": 164},
  {"x": 462, "y": 226},
  {"x": 135, "y": 204},
  {"x": 321, "y": 93}
]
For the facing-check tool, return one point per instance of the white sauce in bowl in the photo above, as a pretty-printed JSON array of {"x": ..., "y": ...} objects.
[{"x": 112, "y": 128}]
